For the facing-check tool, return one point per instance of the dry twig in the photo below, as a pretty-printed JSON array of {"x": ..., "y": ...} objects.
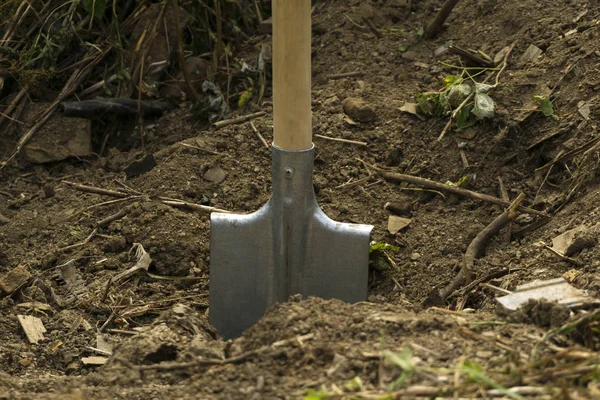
[
  {"x": 238, "y": 120},
  {"x": 260, "y": 137},
  {"x": 341, "y": 140},
  {"x": 96, "y": 190}
]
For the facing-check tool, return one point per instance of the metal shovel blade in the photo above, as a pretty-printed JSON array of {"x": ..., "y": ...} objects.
[{"x": 287, "y": 247}]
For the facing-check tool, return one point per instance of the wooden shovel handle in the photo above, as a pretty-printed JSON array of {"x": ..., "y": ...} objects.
[{"x": 292, "y": 74}]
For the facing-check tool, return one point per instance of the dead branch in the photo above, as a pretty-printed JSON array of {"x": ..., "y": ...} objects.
[
  {"x": 477, "y": 246},
  {"x": 238, "y": 120},
  {"x": 396, "y": 177},
  {"x": 436, "y": 25},
  {"x": 98, "y": 108}
]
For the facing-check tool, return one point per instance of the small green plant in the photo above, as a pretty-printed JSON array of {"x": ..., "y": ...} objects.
[
  {"x": 467, "y": 101},
  {"x": 474, "y": 372},
  {"x": 379, "y": 260},
  {"x": 316, "y": 395},
  {"x": 546, "y": 106}
]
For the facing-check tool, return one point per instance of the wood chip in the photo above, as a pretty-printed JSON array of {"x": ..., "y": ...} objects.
[
  {"x": 94, "y": 360},
  {"x": 33, "y": 328},
  {"x": 396, "y": 224},
  {"x": 411, "y": 108},
  {"x": 531, "y": 54},
  {"x": 14, "y": 279}
]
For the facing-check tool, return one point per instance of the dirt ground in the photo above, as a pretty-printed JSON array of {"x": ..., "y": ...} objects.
[{"x": 401, "y": 343}]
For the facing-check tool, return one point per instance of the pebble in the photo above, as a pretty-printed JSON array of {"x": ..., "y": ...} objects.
[
  {"x": 415, "y": 256},
  {"x": 358, "y": 109}
]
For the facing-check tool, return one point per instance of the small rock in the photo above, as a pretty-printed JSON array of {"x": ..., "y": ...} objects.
[
  {"x": 214, "y": 174},
  {"x": 575, "y": 240},
  {"x": 358, "y": 109},
  {"x": 399, "y": 208},
  {"x": 582, "y": 241},
  {"x": 415, "y": 256}
]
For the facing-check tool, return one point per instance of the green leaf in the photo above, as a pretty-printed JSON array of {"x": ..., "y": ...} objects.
[
  {"x": 95, "y": 7},
  {"x": 462, "y": 119},
  {"x": 546, "y": 106},
  {"x": 484, "y": 106},
  {"x": 429, "y": 103},
  {"x": 244, "y": 97},
  {"x": 451, "y": 80},
  {"x": 380, "y": 246},
  {"x": 420, "y": 33}
]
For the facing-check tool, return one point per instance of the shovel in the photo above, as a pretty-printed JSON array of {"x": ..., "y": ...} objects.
[{"x": 289, "y": 246}]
